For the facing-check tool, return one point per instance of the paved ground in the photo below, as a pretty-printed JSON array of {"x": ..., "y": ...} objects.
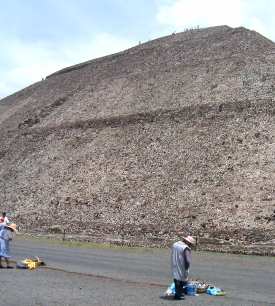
[{"x": 88, "y": 276}]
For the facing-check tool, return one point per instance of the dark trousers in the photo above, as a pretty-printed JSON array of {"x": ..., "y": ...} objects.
[{"x": 179, "y": 290}]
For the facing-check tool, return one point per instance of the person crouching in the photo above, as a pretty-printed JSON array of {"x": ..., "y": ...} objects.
[
  {"x": 180, "y": 264},
  {"x": 6, "y": 235}
]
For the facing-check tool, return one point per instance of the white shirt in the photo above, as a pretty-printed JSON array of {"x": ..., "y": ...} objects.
[{"x": 6, "y": 221}]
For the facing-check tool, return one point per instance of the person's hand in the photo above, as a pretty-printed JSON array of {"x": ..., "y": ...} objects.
[{"x": 186, "y": 273}]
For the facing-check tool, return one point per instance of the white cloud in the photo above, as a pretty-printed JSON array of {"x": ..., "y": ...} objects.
[
  {"x": 255, "y": 15},
  {"x": 30, "y": 62},
  {"x": 186, "y": 13},
  {"x": 100, "y": 45}
]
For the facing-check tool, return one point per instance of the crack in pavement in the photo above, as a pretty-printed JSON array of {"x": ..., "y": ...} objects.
[{"x": 102, "y": 277}]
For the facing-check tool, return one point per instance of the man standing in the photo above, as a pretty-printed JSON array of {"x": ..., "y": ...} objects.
[
  {"x": 5, "y": 238},
  {"x": 4, "y": 219},
  {"x": 180, "y": 264}
]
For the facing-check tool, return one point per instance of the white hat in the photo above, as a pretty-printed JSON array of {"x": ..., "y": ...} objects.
[{"x": 190, "y": 239}]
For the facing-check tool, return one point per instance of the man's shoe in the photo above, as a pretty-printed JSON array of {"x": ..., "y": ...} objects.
[{"x": 179, "y": 298}]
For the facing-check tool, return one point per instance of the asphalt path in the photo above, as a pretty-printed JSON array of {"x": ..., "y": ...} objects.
[{"x": 97, "y": 276}]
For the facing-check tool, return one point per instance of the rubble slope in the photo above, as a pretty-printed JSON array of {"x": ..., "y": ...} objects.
[{"x": 172, "y": 136}]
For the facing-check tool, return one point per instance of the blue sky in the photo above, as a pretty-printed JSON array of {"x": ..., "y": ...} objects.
[{"x": 38, "y": 37}]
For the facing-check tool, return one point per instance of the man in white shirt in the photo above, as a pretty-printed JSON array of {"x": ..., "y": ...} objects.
[
  {"x": 180, "y": 264},
  {"x": 4, "y": 219}
]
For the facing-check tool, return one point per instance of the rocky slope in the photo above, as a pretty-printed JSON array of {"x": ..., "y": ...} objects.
[{"x": 170, "y": 137}]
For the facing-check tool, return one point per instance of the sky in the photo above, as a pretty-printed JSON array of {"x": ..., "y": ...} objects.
[{"x": 39, "y": 37}]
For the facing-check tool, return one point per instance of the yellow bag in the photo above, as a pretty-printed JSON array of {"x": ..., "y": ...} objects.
[{"x": 33, "y": 263}]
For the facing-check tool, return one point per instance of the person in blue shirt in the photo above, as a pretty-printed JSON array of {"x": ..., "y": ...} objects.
[{"x": 6, "y": 235}]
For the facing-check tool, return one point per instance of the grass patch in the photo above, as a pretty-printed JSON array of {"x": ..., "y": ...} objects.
[{"x": 85, "y": 244}]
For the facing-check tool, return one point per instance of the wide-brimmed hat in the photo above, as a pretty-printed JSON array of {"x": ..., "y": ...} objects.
[
  {"x": 12, "y": 226},
  {"x": 189, "y": 239}
]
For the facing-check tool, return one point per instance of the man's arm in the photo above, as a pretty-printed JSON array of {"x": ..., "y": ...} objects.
[{"x": 187, "y": 258}]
